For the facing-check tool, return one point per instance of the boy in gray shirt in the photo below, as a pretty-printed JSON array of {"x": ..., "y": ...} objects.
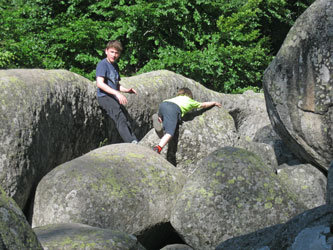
[{"x": 109, "y": 90}]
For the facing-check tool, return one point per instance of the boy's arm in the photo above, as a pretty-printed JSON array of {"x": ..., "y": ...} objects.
[
  {"x": 100, "y": 84},
  {"x": 210, "y": 104},
  {"x": 125, "y": 90}
]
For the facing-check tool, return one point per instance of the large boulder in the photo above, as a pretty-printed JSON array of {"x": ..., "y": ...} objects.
[
  {"x": 298, "y": 86},
  {"x": 79, "y": 236},
  {"x": 232, "y": 192},
  {"x": 248, "y": 110},
  {"x": 15, "y": 231},
  {"x": 47, "y": 117},
  {"x": 200, "y": 133},
  {"x": 124, "y": 187}
]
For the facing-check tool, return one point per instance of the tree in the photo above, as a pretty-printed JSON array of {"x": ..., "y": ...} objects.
[{"x": 225, "y": 45}]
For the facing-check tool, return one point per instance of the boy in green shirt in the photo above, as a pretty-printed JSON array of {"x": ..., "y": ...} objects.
[{"x": 170, "y": 113}]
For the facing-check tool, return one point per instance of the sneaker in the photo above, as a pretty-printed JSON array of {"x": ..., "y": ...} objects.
[
  {"x": 134, "y": 142},
  {"x": 158, "y": 126},
  {"x": 157, "y": 149}
]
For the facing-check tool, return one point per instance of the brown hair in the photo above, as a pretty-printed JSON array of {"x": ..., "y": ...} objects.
[
  {"x": 186, "y": 92},
  {"x": 115, "y": 44}
]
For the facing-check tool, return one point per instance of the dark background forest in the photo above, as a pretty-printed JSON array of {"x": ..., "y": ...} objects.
[{"x": 224, "y": 44}]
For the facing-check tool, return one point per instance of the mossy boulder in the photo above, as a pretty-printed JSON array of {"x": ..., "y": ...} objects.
[
  {"x": 47, "y": 118},
  {"x": 124, "y": 187},
  {"x": 248, "y": 110},
  {"x": 79, "y": 236},
  {"x": 232, "y": 192},
  {"x": 298, "y": 86},
  {"x": 15, "y": 231}
]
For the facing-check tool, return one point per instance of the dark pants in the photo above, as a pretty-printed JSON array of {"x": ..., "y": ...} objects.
[
  {"x": 170, "y": 114},
  {"x": 115, "y": 111}
]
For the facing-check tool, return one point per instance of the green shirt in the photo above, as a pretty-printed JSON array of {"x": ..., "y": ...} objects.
[{"x": 185, "y": 103}]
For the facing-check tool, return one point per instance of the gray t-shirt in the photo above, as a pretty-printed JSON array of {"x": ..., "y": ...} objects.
[{"x": 110, "y": 73}]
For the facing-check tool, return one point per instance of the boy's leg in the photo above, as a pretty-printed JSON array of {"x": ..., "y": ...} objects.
[
  {"x": 114, "y": 110},
  {"x": 165, "y": 140},
  {"x": 129, "y": 126},
  {"x": 124, "y": 129},
  {"x": 171, "y": 114}
]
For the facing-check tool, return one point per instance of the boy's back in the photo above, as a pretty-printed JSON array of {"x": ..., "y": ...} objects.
[{"x": 185, "y": 103}]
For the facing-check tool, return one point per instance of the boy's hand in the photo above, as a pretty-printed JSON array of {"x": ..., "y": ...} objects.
[
  {"x": 132, "y": 91},
  {"x": 218, "y": 104},
  {"x": 122, "y": 99}
]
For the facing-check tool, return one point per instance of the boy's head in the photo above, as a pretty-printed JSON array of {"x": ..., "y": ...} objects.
[
  {"x": 115, "y": 44},
  {"x": 113, "y": 50},
  {"x": 185, "y": 91}
]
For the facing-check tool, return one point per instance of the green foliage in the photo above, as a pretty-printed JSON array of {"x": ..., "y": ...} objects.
[
  {"x": 234, "y": 53},
  {"x": 244, "y": 49},
  {"x": 225, "y": 45},
  {"x": 239, "y": 90},
  {"x": 103, "y": 143},
  {"x": 6, "y": 58}
]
